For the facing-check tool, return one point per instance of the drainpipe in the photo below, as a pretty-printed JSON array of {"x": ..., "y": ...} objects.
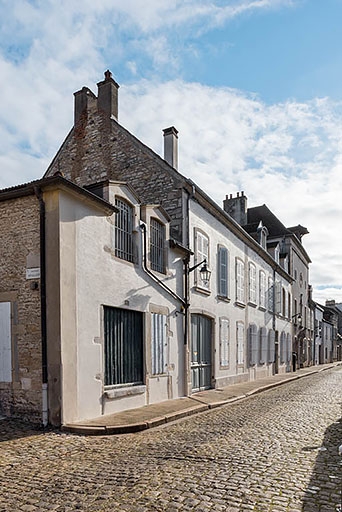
[
  {"x": 155, "y": 278},
  {"x": 45, "y": 416}
]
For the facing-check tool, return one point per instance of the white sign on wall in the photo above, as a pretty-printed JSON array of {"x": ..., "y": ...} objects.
[{"x": 33, "y": 273}]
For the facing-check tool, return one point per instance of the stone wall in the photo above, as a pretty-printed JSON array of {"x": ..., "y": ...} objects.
[
  {"x": 99, "y": 148},
  {"x": 19, "y": 251}
]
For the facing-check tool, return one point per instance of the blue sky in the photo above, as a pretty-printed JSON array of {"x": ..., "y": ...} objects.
[{"x": 253, "y": 86}]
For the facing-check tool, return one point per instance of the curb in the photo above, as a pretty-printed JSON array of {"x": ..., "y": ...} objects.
[{"x": 102, "y": 430}]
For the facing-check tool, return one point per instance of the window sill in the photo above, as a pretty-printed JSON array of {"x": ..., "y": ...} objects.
[
  {"x": 204, "y": 291},
  {"x": 223, "y": 298},
  {"x": 252, "y": 304},
  {"x": 262, "y": 308},
  {"x": 124, "y": 391},
  {"x": 240, "y": 304}
]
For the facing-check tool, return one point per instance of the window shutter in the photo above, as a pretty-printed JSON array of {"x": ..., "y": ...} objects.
[
  {"x": 282, "y": 347},
  {"x": 288, "y": 348},
  {"x": 253, "y": 344},
  {"x": 5, "y": 342},
  {"x": 159, "y": 343},
  {"x": 223, "y": 272},
  {"x": 224, "y": 342},
  {"x": 240, "y": 342},
  {"x": 271, "y": 348},
  {"x": 262, "y": 289},
  {"x": 263, "y": 345}
]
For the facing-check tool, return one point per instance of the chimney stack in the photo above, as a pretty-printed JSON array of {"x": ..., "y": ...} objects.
[
  {"x": 84, "y": 100},
  {"x": 236, "y": 207},
  {"x": 107, "y": 100},
  {"x": 171, "y": 146}
]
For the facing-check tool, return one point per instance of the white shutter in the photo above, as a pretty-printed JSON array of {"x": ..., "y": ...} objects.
[
  {"x": 224, "y": 342},
  {"x": 240, "y": 281},
  {"x": 159, "y": 343},
  {"x": 5, "y": 342},
  {"x": 262, "y": 289},
  {"x": 252, "y": 283}
]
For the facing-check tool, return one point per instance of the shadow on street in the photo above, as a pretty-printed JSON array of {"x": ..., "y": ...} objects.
[
  {"x": 323, "y": 494},
  {"x": 16, "y": 429}
]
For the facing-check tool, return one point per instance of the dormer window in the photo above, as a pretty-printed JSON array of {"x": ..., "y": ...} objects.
[
  {"x": 262, "y": 235},
  {"x": 157, "y": 241},
  {"x": 123, "y": 230}
]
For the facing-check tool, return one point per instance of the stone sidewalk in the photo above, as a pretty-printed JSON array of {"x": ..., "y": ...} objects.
[{"x": 135, "y": 420}]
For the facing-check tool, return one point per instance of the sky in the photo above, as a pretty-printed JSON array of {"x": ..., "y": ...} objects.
[{"x": 252, "y": 86}]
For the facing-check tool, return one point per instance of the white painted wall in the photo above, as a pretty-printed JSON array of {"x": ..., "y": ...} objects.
[
  {"x": 88, "y": 264},
  {"x": 213, "y": 306}
]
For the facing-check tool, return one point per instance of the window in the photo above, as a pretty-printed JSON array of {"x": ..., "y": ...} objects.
[
  {"x": 123, "y": 230},
  {"x": 5, "y": 342},
  {"x": 202, "y": 253},
  {"x": 222, "y": 274},
  {"x": 240, "y": 334},
  {"x": 123, "y": 341},
  {"x": 253, "y": 344},
  {"x": 224, "y": 342},
  {"x": 157, "y": 238},
  {"x": 284, "y": 302},
  {"x": 159, "y": 343},
  {"x": 262, "y": 289},
  {"x": 240, "y": 280},
  {"x": 252, "y": 283}
]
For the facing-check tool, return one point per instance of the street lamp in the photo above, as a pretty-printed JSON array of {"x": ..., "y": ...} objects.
[{"x": 299, "y": 316}]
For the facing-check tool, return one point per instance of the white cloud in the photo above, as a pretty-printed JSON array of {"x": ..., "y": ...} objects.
[{"x": 285, "y": 155}]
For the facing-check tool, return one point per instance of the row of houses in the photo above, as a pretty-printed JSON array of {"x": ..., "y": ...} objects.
[{"x": 122, "y": 283}]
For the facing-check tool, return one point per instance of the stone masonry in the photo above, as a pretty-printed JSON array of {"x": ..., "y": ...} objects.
[{"x": 20, "y": 247}]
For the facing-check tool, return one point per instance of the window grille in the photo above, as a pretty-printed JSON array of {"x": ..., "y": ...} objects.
[
  {"x": 123, "y": 337},
  {"x": 157, "y": 238},
  {"x": 123, "y": 230}
]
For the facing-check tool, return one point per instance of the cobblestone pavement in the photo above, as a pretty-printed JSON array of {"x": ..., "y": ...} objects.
[{"x": 276, "y": 451}]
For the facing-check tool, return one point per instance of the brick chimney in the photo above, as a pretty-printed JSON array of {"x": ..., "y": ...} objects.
[
  {"x": 84, "y": 101},
  {"x": 171, "y": 146},
  {"x": 236, "y": 207},
  {"x": 107, "y": 97}
]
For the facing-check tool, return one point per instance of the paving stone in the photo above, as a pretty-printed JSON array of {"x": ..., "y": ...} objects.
[{"x": 259, "y": 454}]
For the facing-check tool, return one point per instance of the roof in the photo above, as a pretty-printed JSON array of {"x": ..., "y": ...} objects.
[{"x": 57, "y": 181}]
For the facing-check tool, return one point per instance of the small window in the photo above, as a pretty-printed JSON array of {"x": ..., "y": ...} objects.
[
  {"x": 224, "y": 342},
  {"x": 123, "y": 230},
  {"x": 157, "y": 241},
  {"x": 159, "y": 343},
  {"x": 222, "y": 274},
  {"x": 240, "y": 280},
  {"x": 252, "y": 283}
]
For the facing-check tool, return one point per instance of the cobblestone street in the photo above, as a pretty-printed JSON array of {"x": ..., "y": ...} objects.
[{"x": 276, "y": 451}]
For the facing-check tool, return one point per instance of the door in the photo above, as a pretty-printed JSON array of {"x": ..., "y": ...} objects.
[{"x": 201, "y": 333}]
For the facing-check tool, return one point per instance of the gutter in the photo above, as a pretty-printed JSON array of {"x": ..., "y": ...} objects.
[{"x": 45, "y": 415}]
